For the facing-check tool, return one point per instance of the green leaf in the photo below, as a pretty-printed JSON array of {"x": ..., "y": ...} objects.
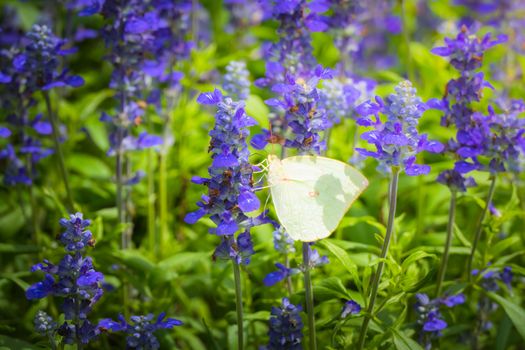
[
  {"x": 515, "y": 312},
  {"x": 134, "y": 260},
  {"x": 333, "y": 288},
  {"x": 344, "y": 258},
  {"x": 459, "y": 235},
  {"x": 415, "y": 256},
  {"x": 502, "y": 245},
  {"x": 256, "y": 108},
  {"x": 18, "y": 248},
  {"x": 403, "y": 342},
  {"x": 89, "y": 166},
  {"x": 504, "y": 328},
  {"x": 13, "y": 343}
]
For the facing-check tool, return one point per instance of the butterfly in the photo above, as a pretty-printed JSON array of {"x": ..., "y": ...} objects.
[{"x": 311, "y": 194}]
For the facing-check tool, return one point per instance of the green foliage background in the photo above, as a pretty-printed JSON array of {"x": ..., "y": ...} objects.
[{"x": 181, "y": 278}]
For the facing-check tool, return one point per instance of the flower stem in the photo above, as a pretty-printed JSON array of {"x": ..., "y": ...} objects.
[
  {"x": 121, "y": 213},
  {"x": 309, "y": 297},
  {"x": 151, "y": 202},
  {"x": 58, "y": 150},
  {"x": 289, "y": 285},
  {"x": 163, "y": 203},
  {"x": 450, "y": 228},
  {"x": 238, "y": 299},
  {"x": 32, "y": 202},
  {"x": 479, "y": 228},
  {"x": 406, "y": 39},
  {"x": 392, "y": 201}
]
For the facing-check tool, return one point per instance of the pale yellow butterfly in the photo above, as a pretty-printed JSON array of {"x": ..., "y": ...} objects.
[{"x": 311, "y": 194}]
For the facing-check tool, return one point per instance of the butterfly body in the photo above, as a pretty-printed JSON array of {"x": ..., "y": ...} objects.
[{"x": 311, "y": 194}]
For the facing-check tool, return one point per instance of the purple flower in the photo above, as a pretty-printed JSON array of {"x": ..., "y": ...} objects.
[
  {"x": 239, "y": 251},
  {"x": 4, "y": 132},
  {"x": 315, "y": 259},
  {"x": 44, "y": 324},
  {"x": 339, "y": 98},
  {"x": 40, "y": 61},
  {"x": 455, "y": 180},
  {"x": 429, "y": 316},
  {"x": 237, "y": 80},
  {"x": 286, "y": 327},
  {"x": 76, "y": 237},
  {"x": 453, "y": 300},
  {"x": 466, "y": 51},
  {"x": 230, "y": 185},
  {"x": 361, "y": 32},
  {"x": 350, "y": 308},
  {"x": 277, "y": 276},
  {"x": 397, "y": 140},
  {"x": 305, "y": 118},
  {"x": 282, "y": 241},
  {"x": 74, "y": 279},
  {"x": 140, "y": 329}
]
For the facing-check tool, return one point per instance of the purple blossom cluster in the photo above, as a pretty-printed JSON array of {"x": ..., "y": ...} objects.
[
  {"x": 75, "y": 280},
  {"x": 237, "y": 81},
  {"x": 286, "y": 327},
  {"x": 299, "y": 103},
  {"x": 397, "y": 140},
  {"x": 293, "y": 75},
  {"x": 230, "y": 185},
  {"x": 140, "y": 329},
  {"x": 430, "y": 318},
  {"x": 37, "y": 66},
  {"x": 503, "y": 15},
  {"x": 292, "y": 54},
  {"x": 31, "y": 67},
  {"x": 359, "y": 29},
  {"x": 144, "y": 40},
  {"x": 340, "y": 97},
  {"x": 246, "y": 13},
  {"x": 490, "y": 279},
  {"x": 489, "y": 142}
]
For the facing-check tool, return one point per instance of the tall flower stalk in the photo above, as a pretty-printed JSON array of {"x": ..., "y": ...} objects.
[
  {"x": 230, "y": 189},
  {"x": 397, "y": 143},
  {"x": 133, "y": 33},
  {"x": 299, "y": 119},
  {"x": 35, "y": 68},
  {"x": 73, "y": 279},
  {"x": 489, "y": 143}
]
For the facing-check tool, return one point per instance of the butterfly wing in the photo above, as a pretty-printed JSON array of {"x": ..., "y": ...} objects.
[{"x": 311, "y": 194}]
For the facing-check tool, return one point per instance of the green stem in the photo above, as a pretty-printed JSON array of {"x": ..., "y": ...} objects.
[
  {"x": 163, "y": 203},
  {"x": 392, "y": 201},
  {"x": 128, "y": 205},
  {"x": 450, "y": 229},
  {"x": 406, "y": 39},
  {"x": 238, "y": 299},
  {"x": 120, "y": 186},
  {"x": 289, "y": 285},
  {"x": 479, "y": 228},
  {"x": 58, "y": 150},
  {"x": 151, "y": 202},
  {"x": 32, "y": 202},
  {"x": 309, "y": 295}
]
